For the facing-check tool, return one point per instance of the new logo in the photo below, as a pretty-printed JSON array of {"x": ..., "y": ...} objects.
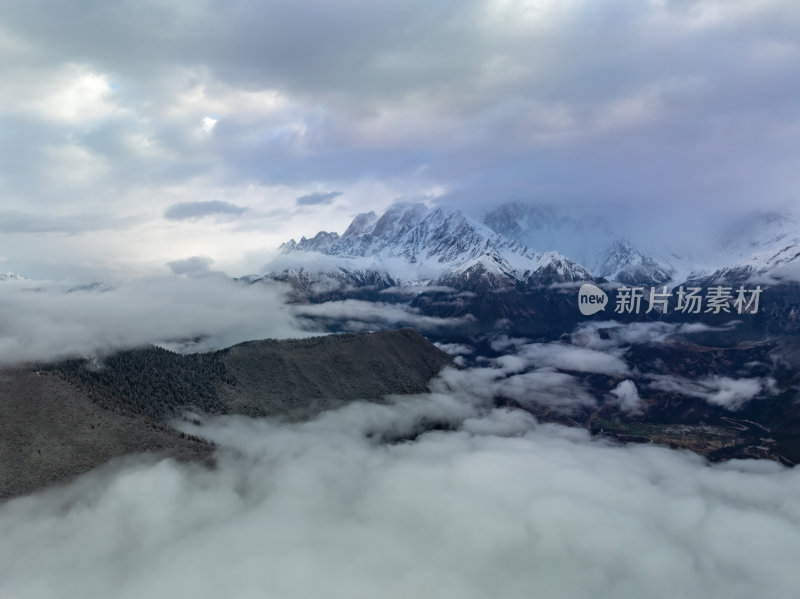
[{"x": 591, "y": 299}]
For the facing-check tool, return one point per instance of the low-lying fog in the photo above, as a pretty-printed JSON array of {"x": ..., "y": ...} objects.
[
  {"x": 358, "y": 503},
  {"x": 496, "y": 506}
]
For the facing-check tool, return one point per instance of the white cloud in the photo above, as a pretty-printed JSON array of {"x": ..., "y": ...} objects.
[
  {"x": 717, "y": 390},
  {"x": 358, "y": 315},
  {"x": 50, "y": 324},
  {"x": 501, "y": 508},
  {"x": 72, "y": 94},
  {"x": 569, "y": 357},
  {"x": 546, "y": 388},
  {"x": 504, "y": 342},
  {"x": 627, "y": 397},
  {"x": 455, "y": 349},
  {"x": 84, "y": 97},
  {"x": 617, "y": 334},
  {"x": 208, "y": 124},
  {"x": 535, "y": 389}
]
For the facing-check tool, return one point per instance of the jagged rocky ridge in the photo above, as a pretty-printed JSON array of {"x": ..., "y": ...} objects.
[
  {"x": 414, "y": 243},
  {"x": 540, "y": 245}
]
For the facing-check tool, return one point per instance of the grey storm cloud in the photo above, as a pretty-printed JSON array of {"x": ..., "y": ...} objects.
[
  {"x": 20, "y": 222},
  {"x": 685, "y": 105},
  {"x": 193, "y": 210},
  {"x": 317, "y": 197}
]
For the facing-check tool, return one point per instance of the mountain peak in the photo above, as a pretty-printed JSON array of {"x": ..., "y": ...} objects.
[
  {"x": 580, "y": 233},
  {"x": 321, "y": 242},
  {"x": 433, "y": 244},
  {"x": 361, "y": 224},
  {"x": 624, "y": 263}
]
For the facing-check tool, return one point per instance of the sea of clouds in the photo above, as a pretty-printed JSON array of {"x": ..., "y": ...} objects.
[
  {"x": 492, "y": 505},
  {"x": 49, "y": 321},
  {"x": 435, "y": 495}
]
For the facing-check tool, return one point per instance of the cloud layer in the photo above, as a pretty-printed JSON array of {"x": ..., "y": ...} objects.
[
  {"x": 192, "y": 210},
  {"x": 723, "y": 391},
  {"x": 317, "y": 197},
  {"x": 497, "y": 507},
  {"x": 199, "y": 313}
]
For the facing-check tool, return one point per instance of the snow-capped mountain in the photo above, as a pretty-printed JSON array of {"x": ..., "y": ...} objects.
[
  {"x": 321, "y": 242},
  {"x": 10, "y": 276},
  {"x": 770, "y": 245},
  {"x": 413, "y": 232},
  {"x": 578, "y": 234},
  {"x": 760, "y": 233},
  {"x": 582, "y": 235},
  {"x": 415, "y": 243},
  {"x": 624, "y": 263},
  {"x": 756, "y": 245},
  {"x": 439, "y": 263},
  {"x": 763, "y": 247}
]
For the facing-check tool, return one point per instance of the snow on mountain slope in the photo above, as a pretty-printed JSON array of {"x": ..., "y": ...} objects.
[
  {"x": 758, "y": 233},
  {"x": 549, "y": 227},
  {"x": 526, "y": 245},
  {"x": 588, "y": 238},
  {"x": 414, "y": 243},
  {"x": 769, "y": 244},
  {"x": 321, "y": 242},
  {"x": 552, "y": 267},
  {"x": 754, "y": 245},
  {"x": 762, "y": 247},
  {"x": 777, "y": 264},
  {"x": 410, "y": 231},
  {"x": 624, "y": 263}
]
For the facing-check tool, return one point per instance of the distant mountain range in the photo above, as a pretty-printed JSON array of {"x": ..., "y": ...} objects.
[
  {"x": 519, "y": 244},
  {"x": 523, "y": 264},
  {"x": 414, "y": 244},
  {"x": 519, "y": 266}
]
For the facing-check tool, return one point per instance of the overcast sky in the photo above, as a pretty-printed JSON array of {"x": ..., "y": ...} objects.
[{"x": 139, "y": 133}]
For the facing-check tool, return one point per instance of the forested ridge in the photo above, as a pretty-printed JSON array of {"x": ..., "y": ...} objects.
[{"x": 151, "y": 381}]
